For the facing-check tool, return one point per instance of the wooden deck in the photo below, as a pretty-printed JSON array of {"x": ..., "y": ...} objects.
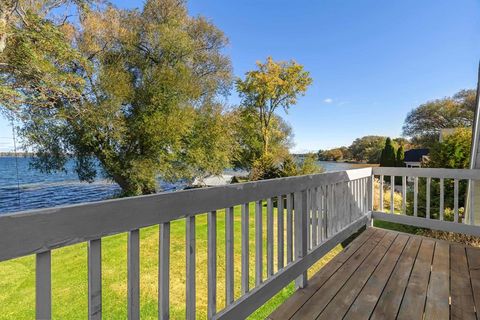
[{"x": 386, "y": 275}]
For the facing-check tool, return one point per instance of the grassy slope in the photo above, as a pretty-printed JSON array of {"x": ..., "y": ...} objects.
[{"x": 70, "y": 286}]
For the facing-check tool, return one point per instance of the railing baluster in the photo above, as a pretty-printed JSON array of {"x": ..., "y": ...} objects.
[
  {"x": 212, "y": 264},
  {"x": 415, "y": 196},
  {"x": 321, "y": 216},
  {"x": 43, "y": 297},
  {"x": 301, "y": 240},
  {"x": 381, "y": 193},
  {"x": 133, "y": 286},
  {"x": 335, "y": 208},
  {"x": 269, "y": 237},
  {"x": 392, "y": 194},
  {"x": 354, "y": 193},
  {"x": 326, "y": 210},
  {"x": 331, "y": 209},
  {"x": 455, "y": 200},
  {"x": 245, "y": 249},
  {"x": 95, "y": 279},
  {"x": 313, "y": 197},
  {"x": 258, "y": 243},
  {"x": 472, "y": 202},
  {"x": 190, "y": 273},
  {"x": 404, "y": 195},
  {"x": 309, "y": 221},
  {"x": 427, "y": 214},
  {"x": 343, "y": 202},
  {"x": 346, "y": 197},
  {"x": 229, "y": 278},
  {"x": 371, "y": 181},
  {"x": 442, "y": 198},
  {"x": 164, "y": 271},
  {"x": 280, "y": 231},
  {"x": 289, "y": 228},
  {"x": 364, "y": 195}
]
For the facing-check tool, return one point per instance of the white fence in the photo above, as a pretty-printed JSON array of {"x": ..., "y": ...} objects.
[
  {"x": 427, "y": 196},
  {"x": 314, "y": 214}
]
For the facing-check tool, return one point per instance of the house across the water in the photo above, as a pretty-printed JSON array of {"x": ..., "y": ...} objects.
[
  {"x": 214, "y": 180},
  {"x": 415, "y": 157}
]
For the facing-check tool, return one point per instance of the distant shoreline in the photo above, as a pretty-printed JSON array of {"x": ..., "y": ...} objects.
[{"x": 17, "y": 154}]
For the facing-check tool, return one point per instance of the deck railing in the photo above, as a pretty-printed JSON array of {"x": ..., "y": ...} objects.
[
  {"x": 313, "y": 214},
  {"x": 440, "y": 199}
]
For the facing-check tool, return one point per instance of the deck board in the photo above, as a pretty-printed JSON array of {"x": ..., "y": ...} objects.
[
  {"x": 368, "y": 297},
  {"x": 389, "y": 275},
  {"x": 462, "y": 305},
  {"x": 437, "y": 305},
  {"x": 391, "y": 297},
  {"x": 288, "y": 309},
  {"x": 310, "y": 310},
  {"x": 473, "y": 257},
  {"x": 347, "y": 294},
  {"x": 413, "y": 303}
]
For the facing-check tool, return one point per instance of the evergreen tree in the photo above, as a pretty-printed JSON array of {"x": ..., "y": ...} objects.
[
  {"x": 387, "y": 158},
  {"x": 400, "y": 157}
]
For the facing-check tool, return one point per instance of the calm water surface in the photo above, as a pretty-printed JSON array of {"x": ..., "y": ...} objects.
[{"x": 34, "y": 189}]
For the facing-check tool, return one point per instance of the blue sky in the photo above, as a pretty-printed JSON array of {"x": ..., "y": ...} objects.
[{"x": 372, "y": 61}]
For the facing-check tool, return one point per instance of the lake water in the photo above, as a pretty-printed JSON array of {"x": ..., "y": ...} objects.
[{"x": 34, "y": 189}]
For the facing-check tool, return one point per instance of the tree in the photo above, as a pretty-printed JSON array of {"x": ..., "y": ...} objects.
[
  {"x": 400, "y": 158},
  {"x": 309, "y": 165},
  {"x": 134, "y": 91},
  {"x": 273, "y": 85},
  {"x": 248, "y": 138},
  {"x": 453, "y": 151},
  {"x": 387, "y": 158},
  {"x": 424, "y": 123},
  {"x": 367, "y": 149},
  {"x": 346, "y": 154},
  {"x": 332, "y": 155}
]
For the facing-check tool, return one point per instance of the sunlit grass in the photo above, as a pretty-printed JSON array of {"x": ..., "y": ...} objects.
[{"x": 70, "y": 282}]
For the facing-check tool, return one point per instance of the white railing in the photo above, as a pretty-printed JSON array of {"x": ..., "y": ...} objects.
[
  {"x": 440, "y": 199},
  {"x": 314, "y": 214}
]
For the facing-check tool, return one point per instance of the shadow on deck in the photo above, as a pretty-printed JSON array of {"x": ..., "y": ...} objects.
[{"x": 386, "y": 275}]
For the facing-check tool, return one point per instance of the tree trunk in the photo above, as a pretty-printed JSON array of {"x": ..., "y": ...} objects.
[{"x": 266, "y": 141}]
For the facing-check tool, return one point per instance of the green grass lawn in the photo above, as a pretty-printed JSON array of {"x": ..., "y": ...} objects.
[{"x": 70, "y": 285}]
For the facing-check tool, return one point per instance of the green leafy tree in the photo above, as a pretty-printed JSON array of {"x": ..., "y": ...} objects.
[
  {"x": 272, "y": 86},
  {"x": 387, "y": 158},
  {"x": 367, "y": 149},
  {"x": 132, "y": 90},
  {"x": 332, "y": 155},
  {"x": 248, "y": 138},
  {"x": 424, "y": 123},
  {"x": 453, "y": 151},
  {"x": 309, "y": 165}
]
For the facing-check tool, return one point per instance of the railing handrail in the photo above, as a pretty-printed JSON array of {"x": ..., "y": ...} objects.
[
  {"x": 36, "y": 231},
  {"x": 473, "y": 174}
]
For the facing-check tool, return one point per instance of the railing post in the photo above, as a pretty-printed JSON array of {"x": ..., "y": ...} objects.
[
  {"x": 43, "y": 281},
  {"x": 371, "y": 198},
  {"x": 300, "y": 211}
]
